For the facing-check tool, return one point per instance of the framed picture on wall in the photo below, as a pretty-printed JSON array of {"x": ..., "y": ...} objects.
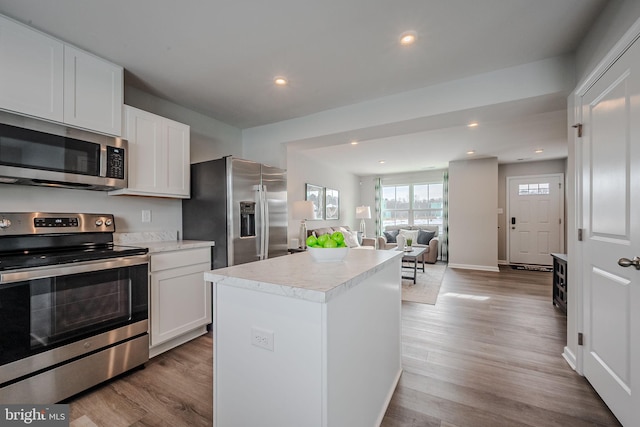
[
  {"x": 332, "y": 203},
  {"x": 316, "y": 195}
]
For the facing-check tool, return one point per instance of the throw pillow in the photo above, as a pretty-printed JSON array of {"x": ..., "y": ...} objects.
[
  {"x": 391, "y": 235},
  {"x": 424, "y": 237},
  {"x": 410, "y": 234},
  {"x": 351, "y": 238}
]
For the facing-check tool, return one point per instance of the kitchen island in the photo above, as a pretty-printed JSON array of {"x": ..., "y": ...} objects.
[{"x": 301, "y": 343}]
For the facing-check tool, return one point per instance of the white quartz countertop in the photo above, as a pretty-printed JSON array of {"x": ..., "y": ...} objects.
[
  {"x": 174, "y": 245},
  {"x": 158, "y": 241},
  {"x": 299, "y": 276}
]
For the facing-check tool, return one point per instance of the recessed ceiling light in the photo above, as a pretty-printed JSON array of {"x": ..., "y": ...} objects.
[
  {"x": 381, "y": 162},
  {"x": 354, "y": 142},
  {"x": 472, "y": 125},
  {"x": 280, "y": 81},
  {"x": 539, "y": 150},
  {"x": 408, "y": 38},
  {"x": 470, "y": 152}
]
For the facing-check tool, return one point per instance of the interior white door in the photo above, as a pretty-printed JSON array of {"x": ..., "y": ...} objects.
[
  {"x": 535, "y": 218},
  {"x": 611, "y": 207}
]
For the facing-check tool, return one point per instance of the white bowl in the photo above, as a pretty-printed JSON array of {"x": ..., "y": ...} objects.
[{"x": 328, "y": 254}]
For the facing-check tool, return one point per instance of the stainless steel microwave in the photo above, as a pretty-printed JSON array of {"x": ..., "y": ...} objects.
[{"x": 35, "y": 152}]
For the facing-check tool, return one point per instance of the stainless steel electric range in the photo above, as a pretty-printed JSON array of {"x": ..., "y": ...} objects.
[{"x": 73, "y": 306}]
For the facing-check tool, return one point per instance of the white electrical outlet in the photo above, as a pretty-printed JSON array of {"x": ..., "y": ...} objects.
[
  {"x": 146, "y": 215},
  {"x": 262, "y": 338}
]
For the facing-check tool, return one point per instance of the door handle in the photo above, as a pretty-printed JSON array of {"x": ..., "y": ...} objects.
[{"x": 626, "y": 262}]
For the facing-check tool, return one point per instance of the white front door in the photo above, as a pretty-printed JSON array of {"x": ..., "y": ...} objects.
[
  {"x": 534, "y": 219},
  {"x": 611, "y": 222}
]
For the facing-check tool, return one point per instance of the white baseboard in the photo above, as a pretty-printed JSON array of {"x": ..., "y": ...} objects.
[
  {"x": 503, "y": 262},
  {"x": 168, "y": 345},
  {"x": 474, "y": 267},
  {"x": 570, "y": 358}
]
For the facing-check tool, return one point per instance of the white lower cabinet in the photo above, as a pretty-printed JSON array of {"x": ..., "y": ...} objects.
[{"x": 180, "y": 300}]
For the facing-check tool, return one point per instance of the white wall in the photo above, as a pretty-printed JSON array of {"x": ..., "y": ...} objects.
[
  {"x": 210, "y": 138},
  {"x": 520, "y": 169},
  {"x": 166, "y": 214},
  {"x": 302, "y": 170},
  {"x": 473, "y": 204},
  {"x": 617, "y": 17}
]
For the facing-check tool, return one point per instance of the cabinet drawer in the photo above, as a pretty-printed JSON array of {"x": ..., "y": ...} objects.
[{"x": 181, "y": 258}]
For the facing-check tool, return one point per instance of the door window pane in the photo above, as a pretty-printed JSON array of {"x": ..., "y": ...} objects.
[{"x": 533, "y": 189}]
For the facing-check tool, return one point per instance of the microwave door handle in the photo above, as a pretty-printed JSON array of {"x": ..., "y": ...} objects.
[{"x": 103, "y": 161}]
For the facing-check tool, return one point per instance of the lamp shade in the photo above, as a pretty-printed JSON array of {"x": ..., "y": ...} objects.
[
  {"x": 303, "y": 209},
  {"x": 363, "y": 212}
]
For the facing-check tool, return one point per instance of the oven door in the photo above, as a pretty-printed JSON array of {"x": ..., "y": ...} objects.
[{"x": 48, "y": 308}]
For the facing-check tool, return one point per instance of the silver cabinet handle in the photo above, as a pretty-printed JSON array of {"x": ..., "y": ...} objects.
[{"x": 626, "y": 262}]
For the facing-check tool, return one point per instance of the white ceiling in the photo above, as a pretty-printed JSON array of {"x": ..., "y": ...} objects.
[{"x": 219, "y": 58}]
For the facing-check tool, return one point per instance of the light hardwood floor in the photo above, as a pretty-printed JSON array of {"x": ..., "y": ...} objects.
[{"x": 487, "y": 354}]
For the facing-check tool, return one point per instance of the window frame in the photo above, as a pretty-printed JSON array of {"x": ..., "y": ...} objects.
[{"x": 411, "y": 210}]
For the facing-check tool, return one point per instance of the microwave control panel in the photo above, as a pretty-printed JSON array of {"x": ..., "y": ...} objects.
[{"x": 115, "y": 162}]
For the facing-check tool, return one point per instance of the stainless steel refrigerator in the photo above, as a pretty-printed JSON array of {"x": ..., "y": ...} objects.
[{"x": 239, "y": 204}]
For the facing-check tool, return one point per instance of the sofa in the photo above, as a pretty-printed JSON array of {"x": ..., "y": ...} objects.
[
  {"x": 366, "y": 242},
  {"x": 429, "y": 256}
]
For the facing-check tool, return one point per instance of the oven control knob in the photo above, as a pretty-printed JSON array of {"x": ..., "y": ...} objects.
[
  {"x": 5, "y": 223},
  {"x": 108, "y": 223},
  {"x": 98, "y": 222}
]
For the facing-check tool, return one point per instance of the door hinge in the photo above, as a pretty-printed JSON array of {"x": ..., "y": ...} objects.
[
  {"x": 560, "y": 221},
  {"x": 579, "y": 234},
  {"x": 580, "y": 338},
  {"x": 579, "y": 127}
]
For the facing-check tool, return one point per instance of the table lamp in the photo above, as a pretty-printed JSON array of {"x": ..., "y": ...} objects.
[
  {"x": 362, "y": 213},
  {"x": 303, "y": 210}
]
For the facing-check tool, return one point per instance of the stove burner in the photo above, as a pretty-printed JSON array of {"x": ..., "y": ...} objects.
[
  {"x": 38, "y": 259},
  {"x": 37, "y": 239}
]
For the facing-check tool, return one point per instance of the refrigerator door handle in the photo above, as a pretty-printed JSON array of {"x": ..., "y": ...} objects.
[{"x": 265, "y": 223}]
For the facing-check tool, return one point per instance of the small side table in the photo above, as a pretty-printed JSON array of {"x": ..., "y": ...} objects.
[{"x": 560, "y": 281}]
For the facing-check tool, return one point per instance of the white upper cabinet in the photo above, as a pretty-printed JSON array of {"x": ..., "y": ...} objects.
[
  {"x": 158, "y": 155},
  {"x": 31, "y": 70},
  {"x": 43, "y": 77},
  {"x": 92, "y": 92}
]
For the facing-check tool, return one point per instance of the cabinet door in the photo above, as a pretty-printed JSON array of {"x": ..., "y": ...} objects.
[
  {"x": 31, "y": 72},
  {"x": 180, "y": 302},
  {"x": 143, "y": 130},
  {"x": 158, "y": 155},
  {"x": 93, "y": 92},
  {"x": 177, "y": 158}
]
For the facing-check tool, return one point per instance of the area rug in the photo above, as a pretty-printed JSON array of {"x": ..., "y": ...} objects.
[
  {"x": 427, "y": 285},
  {"x": 531, "y": 267}
]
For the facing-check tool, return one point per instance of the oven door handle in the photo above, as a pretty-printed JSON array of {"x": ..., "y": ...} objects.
[{"x": 68, "y": 269}]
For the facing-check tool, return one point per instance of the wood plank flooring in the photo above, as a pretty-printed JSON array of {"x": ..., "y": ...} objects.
[{"x": 487, "y": 354}]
